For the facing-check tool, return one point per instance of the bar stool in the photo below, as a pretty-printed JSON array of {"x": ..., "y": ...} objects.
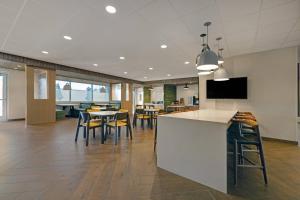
[{"x": 241, "y": 137}]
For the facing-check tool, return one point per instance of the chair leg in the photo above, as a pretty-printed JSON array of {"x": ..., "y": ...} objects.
[
  {"x": 77, "y": 132},
  {"x": 235, "y": 161},
  {"x": 130, "y": 131},
  {"x": 94, "y": 133},
  {"x": 262, "y": 160},
  {"x": 155, "y": 136},
  {"x": 119, "y": 132},
  {"x": 116, "y": 135},
  {"x": 84, "y": 132},
  {"x": 127, "y": 127},
  {"x": 143, "y": 124},
  {"x": 87, "y": 137}
]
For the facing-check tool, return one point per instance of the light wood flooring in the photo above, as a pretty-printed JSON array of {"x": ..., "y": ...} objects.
[{"x": 44, "y": 162}]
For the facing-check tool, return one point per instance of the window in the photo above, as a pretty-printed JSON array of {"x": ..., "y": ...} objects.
[
  {"x": 101, "y": 93},
  {"x": 62, "y": 91},
  {"x": 40, "y": 84},
  {"x": 81, "y": 92},
  {"x": 116, "y": 92}
]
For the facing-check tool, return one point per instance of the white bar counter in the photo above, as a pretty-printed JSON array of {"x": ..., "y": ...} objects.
[{"x": 194, "y": 145}]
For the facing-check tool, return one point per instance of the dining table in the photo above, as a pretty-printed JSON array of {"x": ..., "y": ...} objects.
[
  {"x": 151, "y": 112},
  {"x": 103, "y": 115}
]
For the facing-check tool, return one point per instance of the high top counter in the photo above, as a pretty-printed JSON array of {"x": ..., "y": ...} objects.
[
  {"x": 208, "y": 115},
  {"x": 194, "y": 145}
]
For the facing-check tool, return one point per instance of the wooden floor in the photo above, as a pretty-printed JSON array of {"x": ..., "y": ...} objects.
[{"x": 44, "y": 162}]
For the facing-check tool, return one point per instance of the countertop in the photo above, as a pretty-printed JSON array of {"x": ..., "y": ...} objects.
[{"x": 209, "y": 115}]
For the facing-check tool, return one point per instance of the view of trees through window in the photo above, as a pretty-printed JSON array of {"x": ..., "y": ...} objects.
[{"x": 83, "y": 92}]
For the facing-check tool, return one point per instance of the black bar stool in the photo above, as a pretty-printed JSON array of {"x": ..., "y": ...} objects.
[{"x": 244, "y": 134}]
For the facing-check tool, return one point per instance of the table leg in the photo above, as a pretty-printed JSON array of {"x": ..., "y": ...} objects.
[
  {"x": 151, "y": 120},
  {"x": 102, "y": 129}
]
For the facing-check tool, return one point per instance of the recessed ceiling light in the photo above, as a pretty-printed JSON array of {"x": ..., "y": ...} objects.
[
  {"x": 168, "y": 74},
  {"x": 150, "y": 68},
  {"x": 110, "y": 9},
  {"x": 122, "y": 58},
  {"x": 125, "y": 72},
  {"x": 45, "y": 52},
  {"x": 145, "y": 77},
  {"x": 186, "y": 62},
  {"x": 16, "y": 68},
  {"x": 19, "y": 66},
  {"x": 163, "y": 46},
  {"x": 96, "y": 65},
  {"x": 67, "y": 37}
]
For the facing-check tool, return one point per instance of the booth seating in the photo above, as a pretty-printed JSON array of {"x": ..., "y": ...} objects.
[{"x": 60, "y": 114}]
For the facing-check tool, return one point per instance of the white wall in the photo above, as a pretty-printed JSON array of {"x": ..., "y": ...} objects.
[
  {"x": 157, "y": 94},
  {"x": 186, "y": 93},
  {"x": 16, "y": 98},
  {"x": 272, "y": 90}
]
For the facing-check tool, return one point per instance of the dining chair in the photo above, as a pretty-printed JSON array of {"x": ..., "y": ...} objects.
[
  {"x": 140, "y": 114},
  {"x": 85, "y": 121},
  {"x": 121, "y": 119}
]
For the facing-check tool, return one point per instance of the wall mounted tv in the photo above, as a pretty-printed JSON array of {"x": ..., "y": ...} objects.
[{"x": 234, "y": 88}]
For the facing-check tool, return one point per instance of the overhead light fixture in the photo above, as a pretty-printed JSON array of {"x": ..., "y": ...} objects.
[
  {"x": 186, "y": 86},
  {"x": 110, "y": 9},
  {"x": 169, "y": 75},
  {"x": 125, "y": 72},
  {"x": 96, "y": 65},
  {"x": 150, "y": 88},
  {"x": 186, "y": 62},
  {"x": 16, "y": 68},
  {"x": 122, "y": 58},
  {"x": 103, "y": 89},
  {"x": 220, "y": 58},
  {"x": 67, "y": 86},
  {"x": 45, "y": 52},
  {"x": 203, "y": 73},
  {"x": 150, "y": 68},
  {"x": 163, "y": 46},
  {"x": 221, "y": 74},
  {"x": 145, "y": 77},
  {"x": 68, "y": 37},
  {"x": 207, "y": 59}
]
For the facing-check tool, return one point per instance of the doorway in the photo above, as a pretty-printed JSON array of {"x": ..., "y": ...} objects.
[{"x": 3, "y": 97}]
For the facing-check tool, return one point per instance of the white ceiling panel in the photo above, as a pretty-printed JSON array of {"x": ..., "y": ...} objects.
[{"x": 138, "y": 29}]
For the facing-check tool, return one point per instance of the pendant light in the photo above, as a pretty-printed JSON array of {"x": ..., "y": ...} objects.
[
  {"x": 220, "y": 58},
  {"x": 221, "y": 74},
  {"x": 186, "y": 86},
  {"x": 67, "y": 86},
  {"x": 103, "y": 89},
  {"x": 202, "y": 73},
  {"x": 207, "y": 60}
]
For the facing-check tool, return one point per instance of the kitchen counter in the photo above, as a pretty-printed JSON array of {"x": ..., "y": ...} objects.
[{"x": 194, "y": 145}]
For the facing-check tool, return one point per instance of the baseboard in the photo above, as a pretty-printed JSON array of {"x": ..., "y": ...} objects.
[
  {"x": 19, "y": 119},
  {"x": 279, "y": 140}
]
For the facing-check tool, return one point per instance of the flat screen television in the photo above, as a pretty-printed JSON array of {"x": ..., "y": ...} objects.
[{"x": 234, "y": 88}]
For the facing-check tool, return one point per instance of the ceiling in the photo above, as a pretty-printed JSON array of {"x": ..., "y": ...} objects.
[{"x": 139, "y": 28}]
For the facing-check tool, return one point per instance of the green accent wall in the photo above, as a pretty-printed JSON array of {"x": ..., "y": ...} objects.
[
  {"x": 147, "y": 95},
  {"x": 169, "y": 94}
]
